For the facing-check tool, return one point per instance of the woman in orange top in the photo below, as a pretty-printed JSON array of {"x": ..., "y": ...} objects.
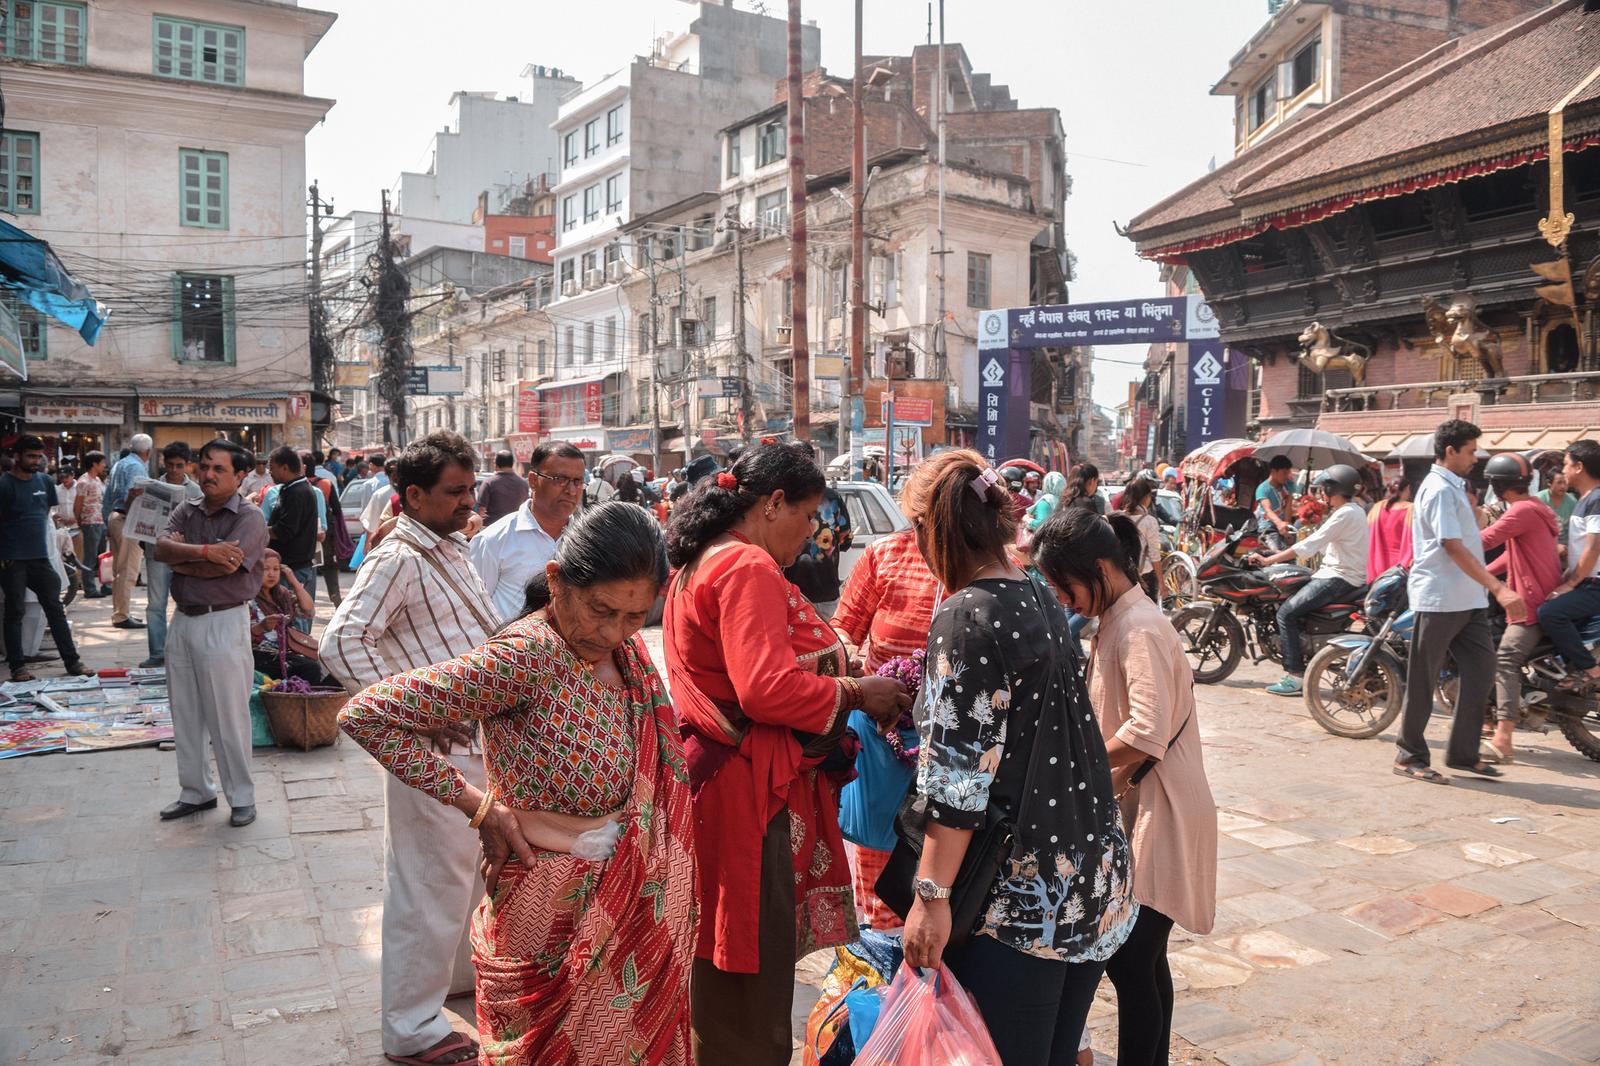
[{"x": 760, "y": 685}]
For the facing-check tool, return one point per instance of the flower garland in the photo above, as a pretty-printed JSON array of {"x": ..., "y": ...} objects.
[{"x": 908, "y": 670}]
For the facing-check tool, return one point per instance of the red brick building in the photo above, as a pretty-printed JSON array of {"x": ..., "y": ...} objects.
[{"x": 1419, "y": 193}]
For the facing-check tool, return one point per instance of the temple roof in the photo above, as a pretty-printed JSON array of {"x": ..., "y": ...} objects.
[{"x": 1473, "y": 105}]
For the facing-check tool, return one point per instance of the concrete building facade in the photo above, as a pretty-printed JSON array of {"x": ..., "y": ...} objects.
[{"x": 161, "y": 150}]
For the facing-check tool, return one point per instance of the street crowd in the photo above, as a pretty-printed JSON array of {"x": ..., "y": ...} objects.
[{"x": 623, "y": 858}]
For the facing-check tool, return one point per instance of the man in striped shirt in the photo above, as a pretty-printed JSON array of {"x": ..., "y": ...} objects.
[{"x": 416, "y": 601}]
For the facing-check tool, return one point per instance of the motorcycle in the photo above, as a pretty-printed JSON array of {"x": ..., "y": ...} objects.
[
  {"x": 1355, "y": 684},
  {"x": 1238, "y": 610}
]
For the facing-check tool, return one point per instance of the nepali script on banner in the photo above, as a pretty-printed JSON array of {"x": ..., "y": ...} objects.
[{"x": 1148, "y": 321}]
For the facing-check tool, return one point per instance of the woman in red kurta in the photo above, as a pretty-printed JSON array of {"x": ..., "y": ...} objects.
[{"x": 760, "y": 687}]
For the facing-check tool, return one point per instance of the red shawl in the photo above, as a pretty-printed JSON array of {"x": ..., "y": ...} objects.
[
  {"x": 744, "y": 646},
  {"x": 583, "y": 962}
]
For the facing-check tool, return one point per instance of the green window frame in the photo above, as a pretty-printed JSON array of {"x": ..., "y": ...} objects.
[
  {"x": 203, "y": 319},
  {"x": 31, "y": 329},
  {"x": 19, "y": 172},
  {"x": 202, "y": 188},
  {"x": 198, "y": 51},
  {"x": 46, "y": 31}
]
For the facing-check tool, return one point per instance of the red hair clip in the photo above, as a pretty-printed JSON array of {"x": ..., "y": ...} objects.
[{"x": 727, "y": 481}]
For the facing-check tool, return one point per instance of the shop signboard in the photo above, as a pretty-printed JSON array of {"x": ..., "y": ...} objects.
[
  {"x": 212, "y": 412},
  {"x": 74, "y": 412},
  {"x": 627, "y": 441},
  {"x": 909, "y": 410}
]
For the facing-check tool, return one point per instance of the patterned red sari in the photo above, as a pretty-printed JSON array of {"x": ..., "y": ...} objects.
[{"x": 585, "y": 962}]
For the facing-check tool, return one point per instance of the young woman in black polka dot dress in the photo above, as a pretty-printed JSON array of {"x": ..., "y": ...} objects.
[{"x": 1002, "y": 688}]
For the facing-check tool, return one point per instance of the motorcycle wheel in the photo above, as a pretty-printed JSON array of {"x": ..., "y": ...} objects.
[
  {"x": 1355, "y": 711},
  {"x": 1223, "y": 648},
  {"x": 1580, "y": 733}
]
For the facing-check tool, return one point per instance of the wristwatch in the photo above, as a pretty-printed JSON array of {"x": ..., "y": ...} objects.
[{"x": 929, "y": 890}]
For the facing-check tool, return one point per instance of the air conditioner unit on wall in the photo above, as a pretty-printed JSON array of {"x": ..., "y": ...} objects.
[
  {"x": 614, "y": 271},
  {"x": 569, "y": 288},
  {"x": 592, "y": 279}
]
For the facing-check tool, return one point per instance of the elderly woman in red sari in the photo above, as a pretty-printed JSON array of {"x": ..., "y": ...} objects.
[
  {"x": 762, "y": 689},
  {"x": 583, "y": 945}
]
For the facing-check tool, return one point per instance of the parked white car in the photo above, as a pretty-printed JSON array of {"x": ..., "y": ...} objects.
[{"x": 873, "y": 516}]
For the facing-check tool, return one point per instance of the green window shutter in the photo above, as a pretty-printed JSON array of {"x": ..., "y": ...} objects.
[
  {"x": 203, "y": 188},
  {"x": 198, "y": 51}
]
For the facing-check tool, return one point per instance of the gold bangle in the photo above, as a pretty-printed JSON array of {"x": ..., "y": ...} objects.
[{"x": 483, "y": 809}]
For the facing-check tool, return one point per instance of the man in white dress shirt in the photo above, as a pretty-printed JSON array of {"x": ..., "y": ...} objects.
[{"x": 513, "y": 549}]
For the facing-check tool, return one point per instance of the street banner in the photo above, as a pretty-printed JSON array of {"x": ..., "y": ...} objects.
[
  {"x": 630, "y": 440},
  {"x": 1003, "y": 415},
  {"x": 908, "y": 410},
  {"x": 148, "y": 514},
  {"x": 1208, "y": 393},
  {"x": 1144, "y": 321}
]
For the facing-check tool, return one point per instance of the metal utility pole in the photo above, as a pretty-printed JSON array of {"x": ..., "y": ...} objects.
[
  {"x": 655, "y": 360},
  {"x": 855, "y": 391},
  {"x": 746, "y": 412},
  {"x": 940, "y": 360},
  {"x": 392, "y": 320},
  {"x": 691, "y": 366},
  {"x": 799, "y": 350},
  {"x": 321, "y": 349}
]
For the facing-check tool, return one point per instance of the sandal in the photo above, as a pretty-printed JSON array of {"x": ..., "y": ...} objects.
[
  {"x": 1482, "y": 769},
  {"x": 1578, "y": 685},
  {"x": 440, "y": 1053},
  {"x": 22, "y": 675},
  {"x": 1422, "y": 773},
  {"x": 78, "y": 669}
]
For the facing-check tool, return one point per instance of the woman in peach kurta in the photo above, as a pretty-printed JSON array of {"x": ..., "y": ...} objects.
[{"x": 1143, "y": 693}]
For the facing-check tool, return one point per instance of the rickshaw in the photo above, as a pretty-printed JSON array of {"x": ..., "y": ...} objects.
[{"x": 1217, "y": 478}]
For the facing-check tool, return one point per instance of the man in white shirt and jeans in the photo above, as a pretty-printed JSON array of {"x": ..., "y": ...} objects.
[
  {"x": 417, "y": 601},
  {"x": 1447, "y": 589},
  {"x": 515, "y": 547},
  {"x": 1342, "y": 539},
  {"x": 1563, "y": 615}
]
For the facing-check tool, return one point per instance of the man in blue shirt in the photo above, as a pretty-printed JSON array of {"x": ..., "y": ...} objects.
[
  {"x": 1272, "y": 505},
  {"x": 27, "y": 499},
  {"x": 1447, "y": 588},
  {"x": 127, "y": 554}
]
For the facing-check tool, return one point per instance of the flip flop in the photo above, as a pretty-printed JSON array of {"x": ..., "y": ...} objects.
[
  {"x": 1422, "y": 773},
  {"x": 1482, "y": 769},
  {"x": 439, "y": 1054},
  {"x": 22, "y": 675}
]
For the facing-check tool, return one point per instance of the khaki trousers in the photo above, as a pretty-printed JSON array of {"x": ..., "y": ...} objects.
[
  {"x": 430, "y": 890},
  {"x": 124, "y": 567},
  {"x": 210, "y": 669}
]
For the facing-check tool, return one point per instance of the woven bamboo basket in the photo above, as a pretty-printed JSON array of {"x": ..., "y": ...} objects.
[{"x": 304, "y": 720}]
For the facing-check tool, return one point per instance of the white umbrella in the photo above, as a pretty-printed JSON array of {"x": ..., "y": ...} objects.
[{"x": 1311, "y": 448}]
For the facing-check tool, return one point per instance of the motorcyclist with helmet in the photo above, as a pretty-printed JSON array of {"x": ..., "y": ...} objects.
[
  {"x": 1531, "y": 565},
  {"x": 1342, "y": 539}
]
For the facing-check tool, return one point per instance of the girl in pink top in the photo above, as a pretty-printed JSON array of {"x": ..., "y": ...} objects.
[
  {"x": 1390, "y": 522},
  {"x": 1143, "y": 692}
]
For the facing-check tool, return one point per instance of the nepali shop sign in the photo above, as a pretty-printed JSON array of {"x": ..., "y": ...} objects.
[
  {"x": 1003, "y": 391},
  {"x": 211, "y": 412},
  {"x": 1208, "y": 393},
  {"x": 1171, "y": 318}
]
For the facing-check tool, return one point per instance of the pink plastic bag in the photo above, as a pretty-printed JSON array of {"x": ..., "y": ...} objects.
[
  {"x": 105, "y": 575},
  {"x": 928, "y": 1020}
]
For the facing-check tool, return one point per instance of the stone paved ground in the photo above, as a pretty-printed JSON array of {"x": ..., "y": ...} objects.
[{"x": 1362, "y": 918}]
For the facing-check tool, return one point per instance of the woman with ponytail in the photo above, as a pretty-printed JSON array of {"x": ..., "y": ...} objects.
[
  {"x": 1007, "y": 736},
  {"x": 584, "y": 943},
  {"x": 1143, "y": 692},
  {"x": 763, "y": 694}
]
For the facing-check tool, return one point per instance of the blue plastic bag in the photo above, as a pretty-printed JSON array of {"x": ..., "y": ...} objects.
[{"x": 359, "y": 554}]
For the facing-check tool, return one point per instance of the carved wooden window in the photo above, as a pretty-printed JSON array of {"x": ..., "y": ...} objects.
[
  {"x": 1453, "y": 367},
  {"x": 1313, "y": 384}
]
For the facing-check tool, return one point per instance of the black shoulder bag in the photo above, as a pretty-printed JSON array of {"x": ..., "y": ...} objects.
[{"x": 987, "y": 851}]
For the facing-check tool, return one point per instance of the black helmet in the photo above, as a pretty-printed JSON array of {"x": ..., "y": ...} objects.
[
  {"x": 1339, "y": 479},
  {"x": 1013, "y": 476},
  {"x": 1510, "y": 470}
]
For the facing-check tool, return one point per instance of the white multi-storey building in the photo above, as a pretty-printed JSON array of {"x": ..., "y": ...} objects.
[{"x": 160, "y": 148}]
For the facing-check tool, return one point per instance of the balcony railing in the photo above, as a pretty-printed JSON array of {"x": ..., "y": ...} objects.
[{"x": 1527, "y": 388}]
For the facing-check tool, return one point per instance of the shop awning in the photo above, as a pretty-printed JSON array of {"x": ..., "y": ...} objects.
[
  {"x": 1379, "y": 444},
  {"x": 31, "y": 269}
]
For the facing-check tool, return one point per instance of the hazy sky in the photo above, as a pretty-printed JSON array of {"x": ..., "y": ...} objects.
[{"x": 1131, "y": 78}]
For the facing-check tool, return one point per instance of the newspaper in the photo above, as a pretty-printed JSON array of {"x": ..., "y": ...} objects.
[{"x": 148, "y": 514}]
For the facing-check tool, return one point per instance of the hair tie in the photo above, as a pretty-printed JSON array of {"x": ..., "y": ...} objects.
[
  {"x": 727, "y": 481},
  {"x": 981, "y": 484}
]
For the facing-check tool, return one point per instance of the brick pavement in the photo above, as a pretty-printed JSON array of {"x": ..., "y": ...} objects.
[{"x": 1361, "y": 918}]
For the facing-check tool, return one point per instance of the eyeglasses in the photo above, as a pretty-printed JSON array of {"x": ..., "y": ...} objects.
[{"x": 561, "y": 482}]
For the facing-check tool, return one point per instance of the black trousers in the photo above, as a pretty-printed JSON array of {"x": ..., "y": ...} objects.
[
  {"x": 1465, "y": 637},
  {"x": 17, "y": 577},
  {"x": 1035, "y": 1008},
  {"x": 1139, "y": 973}
]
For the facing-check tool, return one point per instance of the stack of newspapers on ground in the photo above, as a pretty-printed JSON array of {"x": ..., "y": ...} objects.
[{"x": 117, "y": 709}]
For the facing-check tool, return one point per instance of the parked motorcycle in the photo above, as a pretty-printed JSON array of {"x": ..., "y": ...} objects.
[{"x": 1237, "y": 611}]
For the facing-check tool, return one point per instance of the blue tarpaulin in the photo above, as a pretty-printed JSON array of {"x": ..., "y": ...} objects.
[{"x": 30, "y": 269}]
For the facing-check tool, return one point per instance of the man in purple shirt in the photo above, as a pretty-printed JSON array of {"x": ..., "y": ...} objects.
[{"x": 215, "y": 546}]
